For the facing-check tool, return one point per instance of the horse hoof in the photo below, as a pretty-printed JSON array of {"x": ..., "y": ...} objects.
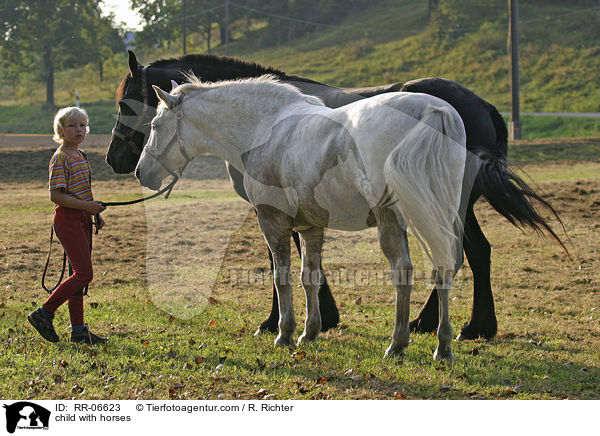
[
  {"x": 472, "y": 330},
  {"x": 281, "y": 342},
  {"x": 269, "y": 326},
  {"x": 395, "y": 353},
  {"x": 305, "y": 339},
  {"x": 420, "y": 325},
  {"x": 446, "y": 355}
]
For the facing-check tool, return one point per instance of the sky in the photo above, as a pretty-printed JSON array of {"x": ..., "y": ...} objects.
[{"x": 122, "y": 13}]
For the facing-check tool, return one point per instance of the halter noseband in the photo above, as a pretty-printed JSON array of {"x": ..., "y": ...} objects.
[
  {"x": 128, "y": 137},
  {"x": 176, "y": 137}
]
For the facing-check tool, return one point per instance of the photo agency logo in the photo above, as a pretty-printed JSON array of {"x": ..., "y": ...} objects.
[{"x": 26, "y": 416}]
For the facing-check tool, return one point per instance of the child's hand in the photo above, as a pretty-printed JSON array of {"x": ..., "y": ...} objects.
[
  {"x": 99, "y": 222},
  {"x": 94, "y": 207}
]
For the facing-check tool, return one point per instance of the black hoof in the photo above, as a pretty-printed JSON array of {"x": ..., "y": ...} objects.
[
  {"x": 268, "y": 325},
  {"x": 330, "y": 317},
  {"x": 474, "y": 330},
  {"x": 422, "y": 325},
  {"x": 329, "y": 321}
]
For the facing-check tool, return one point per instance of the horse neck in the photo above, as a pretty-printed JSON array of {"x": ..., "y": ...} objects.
[{"x": 231, "y": 125}]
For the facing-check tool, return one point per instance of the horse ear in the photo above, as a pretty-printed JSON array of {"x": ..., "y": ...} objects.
[
  {"x": 173, "y": 85},
  {"x": 165, "y": 97},
  {"x": 133, "y": 63}
]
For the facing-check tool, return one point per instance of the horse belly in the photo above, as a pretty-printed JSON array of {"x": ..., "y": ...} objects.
[{"x": 336, "y": 208}]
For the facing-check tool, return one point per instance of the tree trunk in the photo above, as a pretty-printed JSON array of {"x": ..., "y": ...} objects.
[
  {"x": 49, "y": 75},
  {"x": 208, "y": 36},
  {"x": 433, "y": 4},
  {"x": 223, "y": 32}
]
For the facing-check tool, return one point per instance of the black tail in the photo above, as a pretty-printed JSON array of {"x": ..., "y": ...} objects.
[{"x": 508, "y": 193}]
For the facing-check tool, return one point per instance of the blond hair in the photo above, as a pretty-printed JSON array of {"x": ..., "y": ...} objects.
[{"x": 67, "y": 113}]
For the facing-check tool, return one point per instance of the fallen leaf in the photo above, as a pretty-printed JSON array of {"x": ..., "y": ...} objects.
[
  {"x": 64, "y": 363},
  {"x": 77, "y": 389},
  {"x": 358, "y": 300},
  {"x": 173, "y": 390},
  {"x": 199, "y": 360},
  {"x": 212, "y": 300},
  {"x": 400, "y": 395},
  {"x": 145, "y": 343},
  {"x": 171, "y": 318},
  {"x": 322, "y": 381},
  {"x": 299, "y": 355},
  {"x": 212, "y": 323}
]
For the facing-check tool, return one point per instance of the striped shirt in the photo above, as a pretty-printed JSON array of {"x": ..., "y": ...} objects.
[{"x": 72, "y": 174}]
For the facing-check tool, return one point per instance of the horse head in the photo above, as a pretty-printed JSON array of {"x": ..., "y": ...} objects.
[
  {"x": 136, "y": 107},
  {"x": 159, "y": 158}
]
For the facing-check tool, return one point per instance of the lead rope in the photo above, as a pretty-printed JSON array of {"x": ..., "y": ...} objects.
[{"x": 166, "y": 189}]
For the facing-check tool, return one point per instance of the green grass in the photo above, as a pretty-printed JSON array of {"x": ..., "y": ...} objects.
[
  {"x": 391, "y": 41},
  {"x": 34, "y": 120},
  {"x": 547, "y": 305}
]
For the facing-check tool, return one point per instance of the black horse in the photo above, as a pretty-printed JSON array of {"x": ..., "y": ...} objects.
[{"x": 486, "y": 137}]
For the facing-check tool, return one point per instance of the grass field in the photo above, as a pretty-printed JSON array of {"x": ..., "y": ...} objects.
[{"x": 548, "y": 306}]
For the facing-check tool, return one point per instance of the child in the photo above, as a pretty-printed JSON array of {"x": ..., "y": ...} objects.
[{"x": 70, "y": 190}]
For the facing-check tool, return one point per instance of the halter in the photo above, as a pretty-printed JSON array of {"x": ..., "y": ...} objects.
[
  {"x": 176, "y": 137},
  {"x": 128, "y": 137}
]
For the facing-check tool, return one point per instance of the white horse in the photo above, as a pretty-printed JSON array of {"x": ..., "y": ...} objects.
[{"x": 396, "y": 160}]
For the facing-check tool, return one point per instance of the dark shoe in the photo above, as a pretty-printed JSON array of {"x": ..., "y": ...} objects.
[
  {"x": 87, "y": 337},
  {"x": 43, "y": 326}
]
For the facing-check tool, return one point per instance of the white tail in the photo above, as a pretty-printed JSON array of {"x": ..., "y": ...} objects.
[{"x": 425, "y": 173}]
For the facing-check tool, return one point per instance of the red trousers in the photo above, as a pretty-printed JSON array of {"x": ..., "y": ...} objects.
[{"x": 72, "y": 228}]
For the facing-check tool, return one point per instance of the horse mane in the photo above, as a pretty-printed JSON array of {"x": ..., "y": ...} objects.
[
  {"x": 269, "y": 80},
  {"x": 121, "y": 88},
  {"x": 190, "y": 60}
]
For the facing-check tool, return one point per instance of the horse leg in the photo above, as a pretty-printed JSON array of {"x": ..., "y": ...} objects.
[
  {"x": 312, "y": 277},
  {"x": 427, "y": 319},
  {"x": 330, "y": 317},
  {"x": 277, "y": 229},
  {"x": 443, "y": 281},
  {"x": 483, "y": 321},
  {"x": 270, "y": 324},
  {"x": 394, "y": 245}
]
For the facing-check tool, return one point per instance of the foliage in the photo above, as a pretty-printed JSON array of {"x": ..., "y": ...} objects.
[
  {"x": 45, "y": 36},
  {"x": 393, "y": 41},
  {"x": 264, "y": 22}
]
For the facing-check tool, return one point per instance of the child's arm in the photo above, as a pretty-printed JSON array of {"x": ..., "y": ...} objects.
[{"x": 58, "y": 197}]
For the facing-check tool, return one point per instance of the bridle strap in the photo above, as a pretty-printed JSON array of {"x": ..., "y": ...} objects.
[{"x": 178, "y": 136}]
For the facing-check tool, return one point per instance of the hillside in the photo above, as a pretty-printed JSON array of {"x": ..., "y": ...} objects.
[{"x": 394, "y": 41}]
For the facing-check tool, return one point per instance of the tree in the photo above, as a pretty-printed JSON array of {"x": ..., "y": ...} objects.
[
  {"x": 164, "y": 20},
  {"x": 45, "y": 36}
]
